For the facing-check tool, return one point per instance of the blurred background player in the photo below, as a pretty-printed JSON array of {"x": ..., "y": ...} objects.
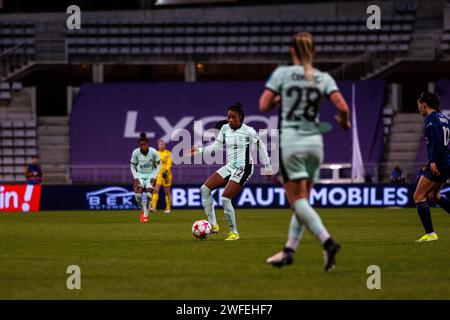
[
  {"x": 397, "y": 175},
  {"x": 33, "y": 171},
  {"x": 145, "y": 166},
  {"x": 300, "y": 88},
  {"x": 437, "y": 136},
  {"x": 164, "y": 177},
  {"x": 239, "y": 168}
]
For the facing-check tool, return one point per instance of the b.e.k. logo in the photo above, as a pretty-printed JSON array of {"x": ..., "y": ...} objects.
[{"x": 111, "y": 198}]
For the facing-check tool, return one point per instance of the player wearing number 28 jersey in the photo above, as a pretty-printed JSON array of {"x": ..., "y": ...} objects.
[
  {"x": 297, "y": 91},
  {"x": 437, "y": 134},
  {"x": 299, "y": 117}
]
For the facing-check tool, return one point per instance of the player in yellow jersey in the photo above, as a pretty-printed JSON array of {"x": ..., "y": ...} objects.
[{"x": 164, "y": 177}]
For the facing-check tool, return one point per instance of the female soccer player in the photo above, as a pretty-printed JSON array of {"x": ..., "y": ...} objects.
[
  {"x": 239, "y": 168},
  {"x": 299, "y": 89},
  {"x": 164, "y": 177},
  {"x": 437, "y": 136},
  {"x": 145, "y": 165}
]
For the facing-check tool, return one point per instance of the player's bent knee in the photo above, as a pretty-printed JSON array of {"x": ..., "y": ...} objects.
[
  {"x": 418, "y": 198},
  {"x": 204, "y": 190}
]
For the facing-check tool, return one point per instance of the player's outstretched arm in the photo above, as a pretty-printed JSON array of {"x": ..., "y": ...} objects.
[
  {"x": 343, "y": 116},
  {"x": 216, "y": 146}
]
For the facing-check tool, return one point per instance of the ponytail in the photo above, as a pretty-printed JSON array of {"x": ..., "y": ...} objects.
[{"x": 304, "y": 48}]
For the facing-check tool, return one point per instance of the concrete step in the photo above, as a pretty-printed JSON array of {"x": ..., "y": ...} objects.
[
  {"x": 406, "y": 127},
  {"x": 401, "y": 156},
  {"x": 53, "y": 131},
  {"x": 51, "y": 121},
  {"x": 404, "y": 146},
  {"x": 54, "y": 158},
  {"x": 405, "y": 137},
  {"x": 408, "y": 118},
  {"x": 52, "y": 140},
  {"x": 52, "y": 148},
  {"x": 55, "y": 168}
]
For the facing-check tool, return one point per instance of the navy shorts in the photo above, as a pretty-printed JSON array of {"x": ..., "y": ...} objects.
[{"x": 443, "y": 177}]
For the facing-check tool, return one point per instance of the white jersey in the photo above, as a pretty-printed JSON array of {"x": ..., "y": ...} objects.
[
  {"x": 299, "y": 113},
  {"x": 145, "y": 165},
  {"x": 238, "y": 144}
]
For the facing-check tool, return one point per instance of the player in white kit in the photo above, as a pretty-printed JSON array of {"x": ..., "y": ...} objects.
[
  {"x": 145, "y": 165},
  {"x": 297, "y": 90},
  {"x": 238, "y": 137}
]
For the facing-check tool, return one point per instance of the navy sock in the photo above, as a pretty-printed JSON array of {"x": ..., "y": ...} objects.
[
  {"x": 425, "y": 216},
  {"x": 444, "y": 203}
]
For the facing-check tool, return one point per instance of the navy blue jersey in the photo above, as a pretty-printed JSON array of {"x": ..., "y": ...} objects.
[
  {"x": 34, "y": 179},
  {"x": 437, "y": 137}
]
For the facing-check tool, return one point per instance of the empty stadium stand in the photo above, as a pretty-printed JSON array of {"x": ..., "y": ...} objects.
[
  {"x": 17, "y": 145},
  {"x": 15, "y": 33},
  {"x": 17, "y": 130},
  {"x": 102, "y": 39}
]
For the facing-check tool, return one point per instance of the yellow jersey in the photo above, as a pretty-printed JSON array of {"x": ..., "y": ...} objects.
[{"x": 166, "y": 160}]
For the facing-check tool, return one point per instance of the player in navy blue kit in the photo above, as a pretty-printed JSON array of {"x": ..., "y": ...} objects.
[{"x": 437, "y": 137}]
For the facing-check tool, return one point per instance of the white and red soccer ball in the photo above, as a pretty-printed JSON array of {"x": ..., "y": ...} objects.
[{"x": 201, "y": 229}]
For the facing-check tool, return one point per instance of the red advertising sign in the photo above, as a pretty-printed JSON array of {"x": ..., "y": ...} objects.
[{"x": 20, "y": 198}]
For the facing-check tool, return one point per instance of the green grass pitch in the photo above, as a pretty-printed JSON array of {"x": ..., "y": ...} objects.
[{"x": 123, "y": 259}]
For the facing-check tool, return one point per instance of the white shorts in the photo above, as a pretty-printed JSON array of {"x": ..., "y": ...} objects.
[
  {"x": 239, "y": 175},
  {"x": 146, "y": 183},
  {"x": 301, "y": 162}
]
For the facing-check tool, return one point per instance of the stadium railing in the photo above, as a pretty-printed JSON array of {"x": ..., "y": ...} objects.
[{"x": 195, "y": 174}]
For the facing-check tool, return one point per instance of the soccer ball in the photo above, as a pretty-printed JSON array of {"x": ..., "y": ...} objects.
[{"x": 201, "y": 229}]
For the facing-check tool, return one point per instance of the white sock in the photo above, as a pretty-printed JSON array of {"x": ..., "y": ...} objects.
[
  {"x": 309, "y": 217},
  {"x": 324, "y": 236},
  {"x": 138, "y": 197},
  {"x": 296, "y": 230},
  {"x": 230, "y": 215},
  {"x": 208, "y": 204},
  {"x": 148, "y": 204}
]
